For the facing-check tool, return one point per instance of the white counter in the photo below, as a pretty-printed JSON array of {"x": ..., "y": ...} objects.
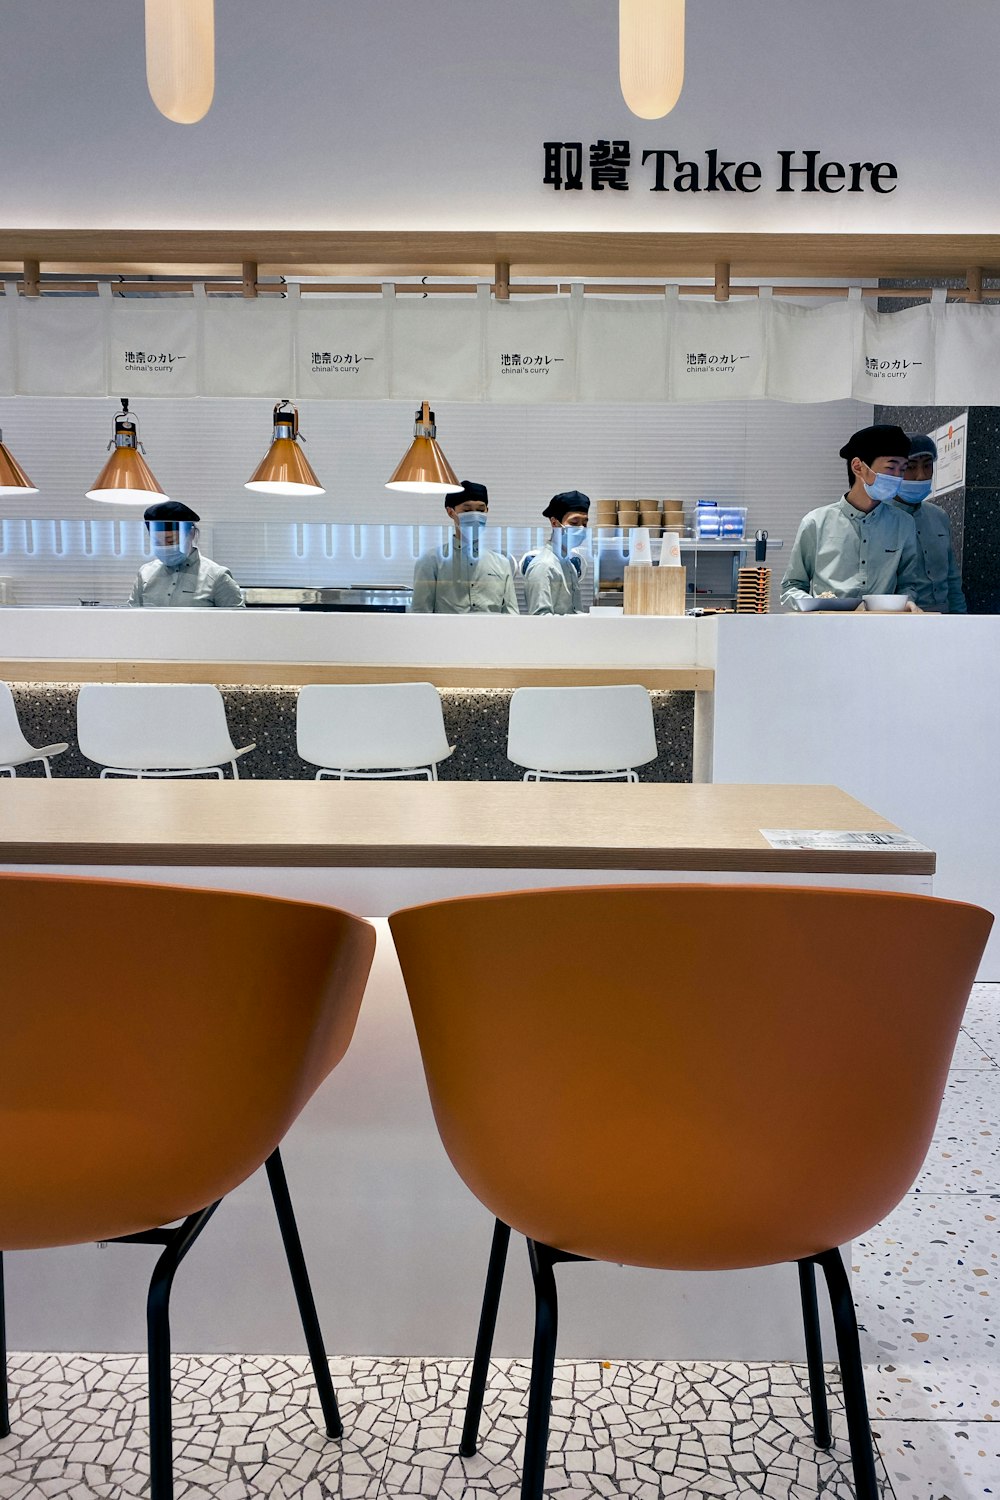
[{"x": 384, "y": 639}]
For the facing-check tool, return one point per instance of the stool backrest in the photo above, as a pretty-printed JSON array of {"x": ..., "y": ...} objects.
[
  {"x": 689, "y": 1076},
  {"x": 13, "y": 744},
  {"x": 369, "y": 726},
  {"x": 175, "y": 725},
  {"x": 157, "y": 1044},
  {"x": 581, "y": 728}
]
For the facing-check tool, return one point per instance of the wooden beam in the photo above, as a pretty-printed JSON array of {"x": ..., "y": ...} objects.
[
  {"x": 32, "y": 277},
  {"x": 297, "y": 674},
  {"x": 249, "y": 278},
  {"x": 722, "y": 281},
  {"x": 477, "y": 253}
]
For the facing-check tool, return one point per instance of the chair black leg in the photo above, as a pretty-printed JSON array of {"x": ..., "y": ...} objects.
[
  {"x": 814, "y": 1355},
  {"x": 852, "y": 1374},
  {"x": 161, "y": 1468},
  {"x": 543, "y": 1358},
  {"x": 4, "y": 1406},
  {"x": 303, "y": 1294},
  {"x": 484, "y": 1342}
]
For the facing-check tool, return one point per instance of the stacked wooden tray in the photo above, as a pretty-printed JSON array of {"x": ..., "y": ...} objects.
[{"x": 753, "y": 591}]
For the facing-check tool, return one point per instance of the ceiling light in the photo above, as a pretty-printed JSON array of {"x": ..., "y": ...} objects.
[
  {"x": 424, "y": 470},
  {"x": 284, "y": 469},
  {"x": 651, "y": 55},
  {"x": 180, "y": 57},
  {"x": 126, "y": 478},
  {"x": 13, "y": 479}
]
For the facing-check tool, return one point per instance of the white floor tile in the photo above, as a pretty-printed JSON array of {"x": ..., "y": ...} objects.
[
  {"x": 629, "y": 1429},
  {"x": 965, "y": 1154},
  {"x": 969, "y": 1054},
  {"x": 927, "y": 1287},
  {"x": 982, "y": 1018},
  {"x": 941, "y": 1460}
]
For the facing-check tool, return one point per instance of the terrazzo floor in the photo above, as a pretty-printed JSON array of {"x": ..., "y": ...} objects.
[{"x": 926, "y": 1281}]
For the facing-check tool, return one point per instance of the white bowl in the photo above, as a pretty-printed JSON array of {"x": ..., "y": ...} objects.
[{"x": 886, "y": 604}]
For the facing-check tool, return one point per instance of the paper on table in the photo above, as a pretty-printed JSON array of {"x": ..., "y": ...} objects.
[{"x": 833, "y": 838}]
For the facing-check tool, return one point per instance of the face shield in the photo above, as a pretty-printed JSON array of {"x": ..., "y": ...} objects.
[{"x": 171, "y": 541}]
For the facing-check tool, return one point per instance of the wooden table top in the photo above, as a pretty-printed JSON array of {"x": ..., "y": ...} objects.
[{"x": 595, "y": 826}]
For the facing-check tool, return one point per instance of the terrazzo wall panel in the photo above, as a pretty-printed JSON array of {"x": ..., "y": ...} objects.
[
  {"x": 975, "y": 510},
  {"x": 925, "y": 419},
  {"x": 475, "y": 721}
]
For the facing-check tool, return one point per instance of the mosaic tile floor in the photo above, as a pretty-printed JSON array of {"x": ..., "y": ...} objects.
[{"x": 245, "y": 1428}]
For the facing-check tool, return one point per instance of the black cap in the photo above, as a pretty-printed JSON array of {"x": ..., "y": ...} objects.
[
  {"x": 469, "y": 491},
  {"x": 561, "y": 505},
  {"x": 921, "y": 443},
  {"x": 876, "y": 442},
  {"x": 169, "y": 510}
]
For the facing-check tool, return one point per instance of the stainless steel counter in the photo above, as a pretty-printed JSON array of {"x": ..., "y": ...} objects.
[{"x": 350, "y": 600}]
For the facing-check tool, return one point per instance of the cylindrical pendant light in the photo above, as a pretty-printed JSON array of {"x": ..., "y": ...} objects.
[
  {"x": 13, "y": 479},
  {"x": 651, "y": 55},
  {"x": 424, "y": 470},
  {"x": 126, "y": 478},
  {"x": 180, "y": 57},
  {"x": 284, "y": 469}
]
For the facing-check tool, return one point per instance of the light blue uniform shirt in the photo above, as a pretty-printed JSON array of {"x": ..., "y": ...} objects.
[
  {"x": 198, "y": 583},
  {"x": 843, "y": 551},
  {"x": 453, "y": 583},
  {"x": 940, "y": 586},
  {"x": 552, "y": 584}
]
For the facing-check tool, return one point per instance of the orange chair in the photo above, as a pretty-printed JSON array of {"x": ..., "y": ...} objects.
[
  {"x": 158, "y": 1042},
  {"x": 736, "y": 1076}
]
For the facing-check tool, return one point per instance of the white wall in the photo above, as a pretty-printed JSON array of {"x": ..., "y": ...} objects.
[
  {"x": 902, "y": 712},
  {"x": 430, "y": 114},
  {"x": 778, "y": 460}
]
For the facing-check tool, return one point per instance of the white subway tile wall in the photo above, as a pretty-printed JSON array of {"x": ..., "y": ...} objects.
[{"x": 57, "y": 547}]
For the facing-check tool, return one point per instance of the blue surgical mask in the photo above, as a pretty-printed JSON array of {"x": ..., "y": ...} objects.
[
  {"x": 883, "y": 487},
  {"x": 471, "y": 525},
  {"x": 170, "y": 557},
  {"x": 915, "y": 490},
  {"x": 575, "y": 536}
]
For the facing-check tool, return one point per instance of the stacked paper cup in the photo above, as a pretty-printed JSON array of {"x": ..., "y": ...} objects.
[{"x": 605, "y": 513}]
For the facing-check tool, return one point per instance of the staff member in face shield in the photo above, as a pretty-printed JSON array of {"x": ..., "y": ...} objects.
[
  {"x": 463, "y": 577},
  {"x": 178, "y": 574},
  {"x": 860, "y": 544},
  {"x": 552, "y": 576},
  {"x": 940, "y": 586}
]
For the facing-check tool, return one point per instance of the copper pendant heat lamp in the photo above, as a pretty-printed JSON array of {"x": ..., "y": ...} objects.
[
  {"x": 424, "y": 469},
  {"x": 126, "y": 478},
  {"x": 284, "y": 469},
  {"x": 13, "y": 479}
]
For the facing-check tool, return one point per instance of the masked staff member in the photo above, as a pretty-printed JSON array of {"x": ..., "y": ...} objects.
[
  {"x": 552, "y": 576},
  {"x": 861, "y": 544},
  {"x": 178, "y": 574},
  {"x": 940, "y": 586},
  {"x": 463, "y": 577}
]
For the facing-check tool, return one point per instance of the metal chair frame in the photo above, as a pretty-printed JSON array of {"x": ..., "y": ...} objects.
[
  {"x": 544, "y": 1259},
  {"x": 176, "y": 1243}
]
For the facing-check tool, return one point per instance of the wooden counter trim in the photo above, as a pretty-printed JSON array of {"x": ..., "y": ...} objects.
[
  {"x": 477, "y": 252},
  {"x": 462, "y": 857},
  {"x": 297, "y": 674},
  {"x": 459, "y": 825}
]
